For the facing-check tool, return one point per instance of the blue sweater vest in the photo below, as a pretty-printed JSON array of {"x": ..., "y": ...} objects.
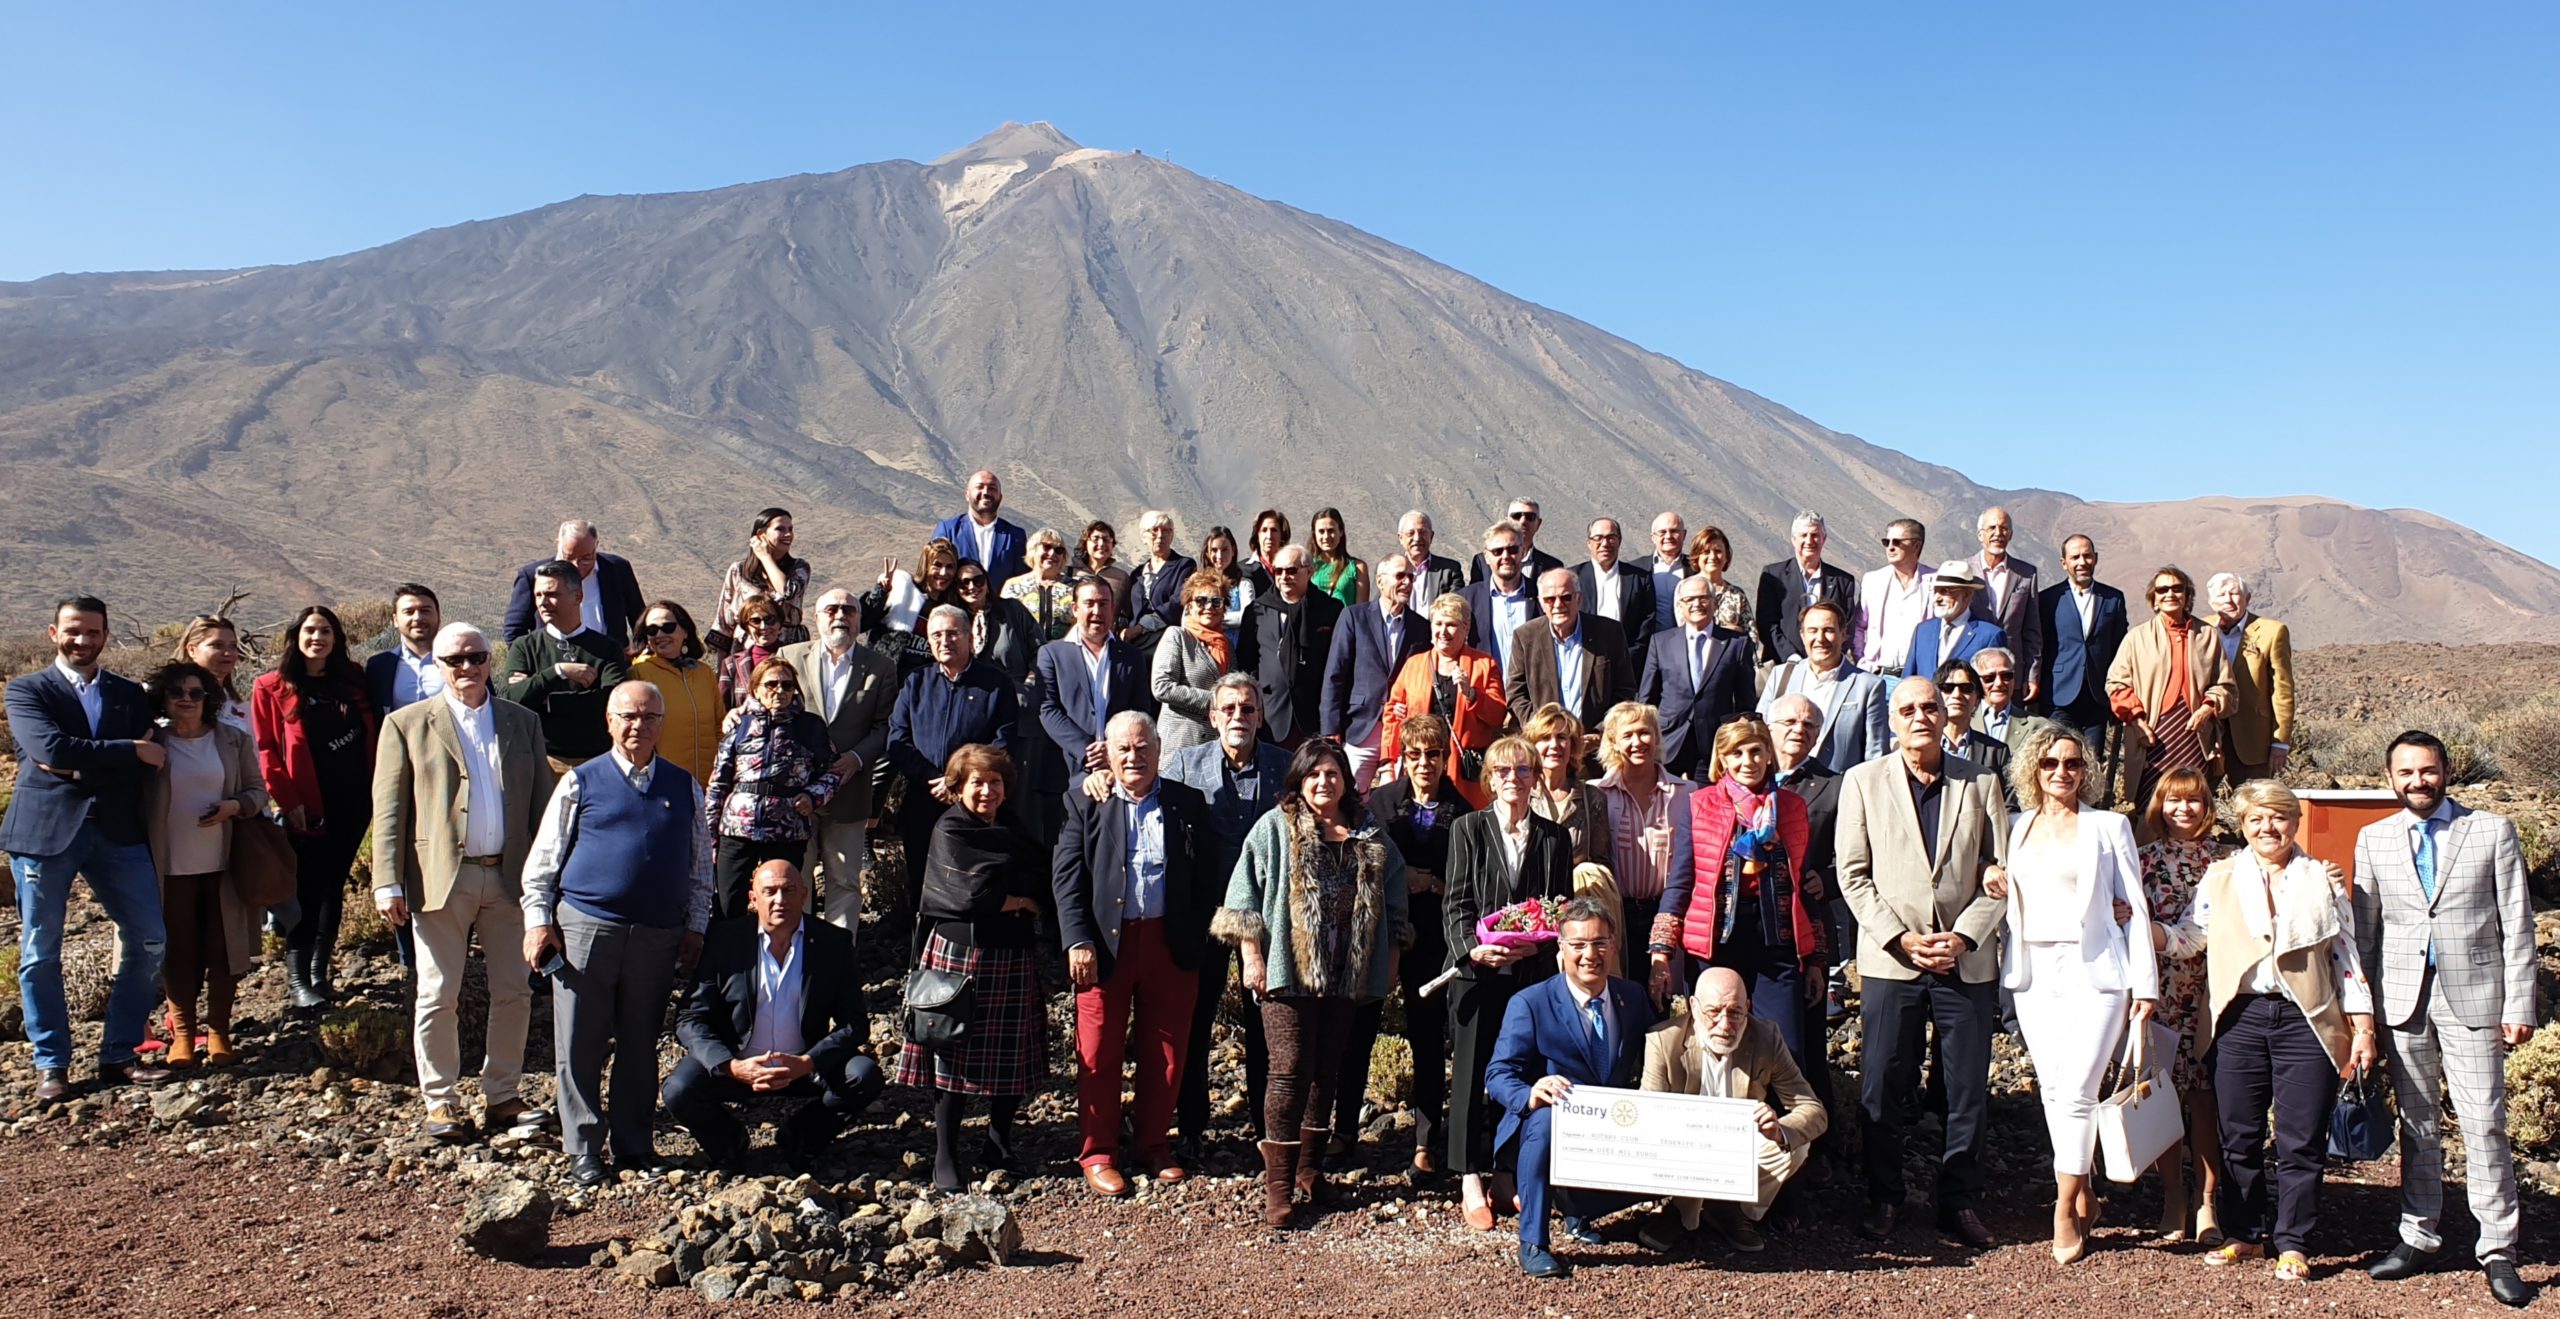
[{"x": 632, "y": 858}]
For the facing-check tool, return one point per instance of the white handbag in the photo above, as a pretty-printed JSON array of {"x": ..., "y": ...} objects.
[{"x": 2143, "y": 1118}]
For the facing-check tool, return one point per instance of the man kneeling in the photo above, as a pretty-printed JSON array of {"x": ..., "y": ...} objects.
[
  {"x": 775, "y": 1009},
  {"x": 1720, "y": 1049},
  {"x": 1581, "y": 1027}
]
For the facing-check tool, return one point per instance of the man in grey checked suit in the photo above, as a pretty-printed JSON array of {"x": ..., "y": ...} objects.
[{"x": 2446, "y": 929}]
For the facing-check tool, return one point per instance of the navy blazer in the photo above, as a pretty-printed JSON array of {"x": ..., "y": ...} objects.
[
  {"x": 1544, "y": 1034},
  {"x": 1635, "y": 599},
  {"x": 1777, "y": 606},
  {"x": 719, "y": 1013},
  {"x": 623, "y": 603},
  {"x": 382, "y": 677},
  {"x": 1089, "y": 873},
  {"x": 1010, "y": 542},
  {"x": 1691, "y": 713},
  {"x": 1159, "y": 607},
  {"x": 1481, "y": 632},
  {"x": 1359, "y": 672},
  {"x": 2072, "y": 671},
  {"x": 1977, "y": 637},
  {"x": 1066, "y": 698},
  {"x": 99, "y": 778},
  {"x": 1287, "y": 662}
]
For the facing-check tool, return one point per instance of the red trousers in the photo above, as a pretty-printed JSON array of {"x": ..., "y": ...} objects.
[{"x": 1164, "y": 995}]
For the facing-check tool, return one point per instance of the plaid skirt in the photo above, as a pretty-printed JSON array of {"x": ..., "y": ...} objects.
[{"x": 1007, "y": 1052}]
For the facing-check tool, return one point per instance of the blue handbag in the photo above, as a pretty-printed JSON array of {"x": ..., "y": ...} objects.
[{"x": 2361, "y": 1126}]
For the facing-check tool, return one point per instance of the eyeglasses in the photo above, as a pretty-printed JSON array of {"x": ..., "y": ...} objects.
[
  {"x": 2050, "y": 764},
  {"x": 1512, "y": 771},
  {"x": 1696, "y": 601},
  {"x": 660, "y": 629},
  {"x": 186, "y": 693},
  {"x": 836, "y": 609},
  {"x": 464, "y": 659},
  {"x": 1208, "y": 602},
  {"x": 1610, "y": 537},
  {"x": 627, "y": 717},
  {"x": 1998, "y": 679}
]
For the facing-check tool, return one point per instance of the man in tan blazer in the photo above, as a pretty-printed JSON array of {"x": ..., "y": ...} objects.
[
  {"x": 853, "y": 688},
  {"x": 1720, "y": 1049},
  {"x": 1920, "y": 833},
  {"x": 2258, "y": 737},
  {"x": 459, "y": 782}
]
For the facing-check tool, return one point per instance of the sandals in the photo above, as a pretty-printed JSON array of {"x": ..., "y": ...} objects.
[
  {"x": 2292, "y": 1267},
  {"x": 2232, "y": 1252}
]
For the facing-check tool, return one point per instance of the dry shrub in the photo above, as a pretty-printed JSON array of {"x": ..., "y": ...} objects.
[
  {"x": 2528, "y": 740},
  {"x": 88, "y": 976},
  {"x": 1390, "y": 1070},
  {"x": 2533, "y": 1092},
  {"x": 2355, "y": 747},
  {"x": 355, "y": 1037}
]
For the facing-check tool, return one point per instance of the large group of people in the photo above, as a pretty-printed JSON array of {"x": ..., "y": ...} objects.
[{"x": 1316, "y": 777}]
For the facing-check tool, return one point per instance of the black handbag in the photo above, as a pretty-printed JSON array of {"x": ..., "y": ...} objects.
[
  {"x": 2361, "y": 1125},
  {"x": 939, "y": 1005}
]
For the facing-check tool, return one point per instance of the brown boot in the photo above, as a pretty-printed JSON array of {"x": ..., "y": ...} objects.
[
  {"x": 218, "y": 996},
  {"x": 182, "y": 1035},
  {"x": 1279, "y": 1164},
  {"x": 1310, "y": 1179}
]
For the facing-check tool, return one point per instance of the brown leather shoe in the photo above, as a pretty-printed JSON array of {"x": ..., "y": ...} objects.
[
  {"x": 131, "y": 1072},
  {"x": 53, "y": 1086},
  {"x": 509, "y": 1114},
  {"x": 1169, "y": 1172},
  {"x": 447, "y": 1125},
  {"x": 1105, "y": 1180}
]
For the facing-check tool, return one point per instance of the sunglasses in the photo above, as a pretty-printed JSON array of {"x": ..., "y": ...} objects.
[
  {"x": 2052, "y": 763},
  {"x": 1998, "y": 679},
  {"x": 186, "y": 693},
  {"x": 968, "y": 582},
  {"x": 760, "y": 620},
  {"x": 660, "y": 629},
  {"x": 835, "y": 609},
  {"x": 777, "y": 685},
  {"x": 2172, "y": 590},
  {"x": 1529, "y": 516},
  {"x": 1897, "y": 542},
  {"x": 464, "y": 659},
  {"x": 1504, "y": 551},
  {"x": 1208, "y": 602},
  {"x": 1959, "y": 687}
]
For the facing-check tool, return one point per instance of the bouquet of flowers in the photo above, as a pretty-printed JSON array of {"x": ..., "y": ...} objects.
[{"x": 1520, "y": 925}]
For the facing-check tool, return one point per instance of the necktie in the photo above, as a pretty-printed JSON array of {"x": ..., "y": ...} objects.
[
  {"x": 1599, "y": 1021},
  {"x": 1697, "y": 660},
  {"x": 2426, "y": 860}
]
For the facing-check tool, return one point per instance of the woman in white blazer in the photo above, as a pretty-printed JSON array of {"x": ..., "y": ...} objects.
[{"x": 2079, "y": 972}]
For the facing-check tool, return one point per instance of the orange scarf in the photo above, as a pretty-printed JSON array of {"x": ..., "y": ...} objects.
[{"x": 1211, "y": 638}]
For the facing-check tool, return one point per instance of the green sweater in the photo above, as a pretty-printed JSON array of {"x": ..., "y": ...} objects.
[
  {"x": 572, "y": 716},
  {"x": 1275, "y": 901}
]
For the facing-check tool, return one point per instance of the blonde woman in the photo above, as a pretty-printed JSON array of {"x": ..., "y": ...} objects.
[
  {"x": 1561, "y": 794},
  {"x": 2288, "y": 1015},
  {"x": 1642, "y": 798},
  {"x": 2082, "y": 978},
  {"x": 1047, "y": 591}
]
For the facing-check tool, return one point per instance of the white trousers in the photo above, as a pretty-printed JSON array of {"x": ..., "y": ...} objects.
[
  {"x": 1364, "y": 758},
  {"x": 2072, "y": 1030},
  {"x": 478, "y": 902},
  {"x": 839, "y": 851}
]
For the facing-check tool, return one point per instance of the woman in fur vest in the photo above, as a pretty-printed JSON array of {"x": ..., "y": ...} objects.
[{"x": 1317, "y": 911}]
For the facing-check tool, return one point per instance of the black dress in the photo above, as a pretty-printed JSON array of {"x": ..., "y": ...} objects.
[
  {"x": 1480, "y": 880},
  {"x": 1420, "y": 830}
]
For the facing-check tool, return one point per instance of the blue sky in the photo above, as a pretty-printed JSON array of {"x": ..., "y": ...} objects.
[{"x": 2131, "y": 252}]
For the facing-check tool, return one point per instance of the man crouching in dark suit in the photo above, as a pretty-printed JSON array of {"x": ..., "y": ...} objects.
[
  {"x": 775, "y": 1009},
  {"x": 1581, "y": 1027}
]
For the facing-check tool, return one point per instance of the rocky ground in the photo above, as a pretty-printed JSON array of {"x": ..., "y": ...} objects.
[{"x": 297, "y": 1184}]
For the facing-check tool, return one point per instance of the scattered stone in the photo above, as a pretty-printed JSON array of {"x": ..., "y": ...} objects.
[
  {"x": 980, "y": 1229},
  {"x": 173, "y": 1104},
  {"x": 922, "y": 1221},
  {"x": 508, "y": 1218},
  {"x": 647, "y": 1268},
  {"x": 719, "y": 1284}
]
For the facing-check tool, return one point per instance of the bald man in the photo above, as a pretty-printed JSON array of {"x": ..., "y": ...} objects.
[
  {"x": 996, "y": 543},
  {"x": 1719, "y": 1049}
]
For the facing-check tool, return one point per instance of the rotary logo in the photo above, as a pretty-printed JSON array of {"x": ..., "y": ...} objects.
[{"x": 1623, "y": 1112}]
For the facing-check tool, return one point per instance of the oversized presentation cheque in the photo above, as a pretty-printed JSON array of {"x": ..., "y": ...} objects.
[{"x": 1652, "y": 1142}]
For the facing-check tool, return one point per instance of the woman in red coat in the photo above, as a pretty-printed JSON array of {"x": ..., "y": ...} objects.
[
  {"x": 1734, "y": 895},
  {"x": 1460, "y": 684},
  {"x": 315, "y": 732}
]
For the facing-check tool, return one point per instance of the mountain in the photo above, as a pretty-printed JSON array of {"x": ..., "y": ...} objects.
[{"x": 1107, "y": 330}]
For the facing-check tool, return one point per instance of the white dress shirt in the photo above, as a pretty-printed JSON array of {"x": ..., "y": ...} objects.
[
  {"x": 1569, "y": 668},
  {"x": 2085, "y": 599},
  {"x": 1893, "y": 617},
  {"x": 93, "y": 698},
  {"x": 983, "y": 536},
  {"x": 484, "y": 802},
  {"x": 835, "y": 681},
  {"x": 558, "y": 831},
  {"x": 417, "y": 677},
  {"x": 1509, "y": 612},
  {"x": 1582, "y": 1010},
  {"x": 1604, "y": 593},
  {"x": 778, "y": 999},
  {"x": 591, "y": 605}
]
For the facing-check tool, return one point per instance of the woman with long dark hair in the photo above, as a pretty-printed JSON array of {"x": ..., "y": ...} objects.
[
  {"x": 769, "y": 570},
  {"x": 315, "y": 732},
  {"x": 1337, "y": 572},
  {"x": 1317, "y": 909}
]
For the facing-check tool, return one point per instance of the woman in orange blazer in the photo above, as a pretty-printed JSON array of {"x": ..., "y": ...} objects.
[
  {"x": 2170, "y": 688},
  {"x": 1456, "y": 682}
]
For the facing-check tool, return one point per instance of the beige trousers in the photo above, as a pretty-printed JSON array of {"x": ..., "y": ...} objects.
[
  {"x": 1777, "y": 1164},
  {"x": 480, "y": 903}
]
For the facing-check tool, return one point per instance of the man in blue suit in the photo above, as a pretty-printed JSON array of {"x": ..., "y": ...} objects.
[
  {"x": 1953, "y": 631},
  {"x": 1085, "y": 679},
  {"x": 2084, "y": 623},
  {"x": 996, "y": 543},
  {"x": 1583, "y": 1026},
  {"x": 1505, "y": 599},
  {"x": 85, "y": 755},
  {"x": 1698, "y": 675},
  {"x": 1370, "y": 646},
  {"x": 1851, "y": 701},
  {"x": 610, "y": 599}
]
